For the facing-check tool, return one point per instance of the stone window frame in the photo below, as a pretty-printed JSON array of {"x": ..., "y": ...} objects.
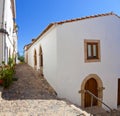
[{"x": 98, "y": 59}]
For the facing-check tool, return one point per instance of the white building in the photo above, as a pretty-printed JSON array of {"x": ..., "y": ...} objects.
[
  {"x": 80, "y": 54},
  {"x": 8, "y": 30}
]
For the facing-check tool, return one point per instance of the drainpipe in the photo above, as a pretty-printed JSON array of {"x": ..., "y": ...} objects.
[
  {"x": 3, "y": 36},
  {"x": 4, "y": 33},
  {"x": 3, "y": 13}
]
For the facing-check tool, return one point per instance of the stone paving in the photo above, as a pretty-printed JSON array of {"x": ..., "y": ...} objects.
[{"x": 31, "y": 95}]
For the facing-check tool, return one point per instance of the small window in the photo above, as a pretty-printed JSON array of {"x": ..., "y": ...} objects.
[{"x": 92, "y": 50}]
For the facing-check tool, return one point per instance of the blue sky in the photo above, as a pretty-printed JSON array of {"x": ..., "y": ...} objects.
[{"x": 34, "y": 15}]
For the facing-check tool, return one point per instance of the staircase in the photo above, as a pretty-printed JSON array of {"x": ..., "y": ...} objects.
[{"x": 99, "y": 111}]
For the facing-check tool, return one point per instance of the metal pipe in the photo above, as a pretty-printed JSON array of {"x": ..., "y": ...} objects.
[
  {"x": 3, "y": 36},
  {"x": 98, "y": 99}
]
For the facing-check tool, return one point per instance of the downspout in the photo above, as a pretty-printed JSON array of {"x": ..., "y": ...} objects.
[
  {"x": 3, "y": 35},
  {"x": 3, "y": 13}
]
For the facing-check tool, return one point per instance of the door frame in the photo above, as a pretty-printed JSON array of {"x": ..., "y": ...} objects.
[
  {"x": 35, "y": 59},
  {"x": 118, "y": 96},
  {"x": 100, "y": 88},
  {"x": 41, "y": 60}
]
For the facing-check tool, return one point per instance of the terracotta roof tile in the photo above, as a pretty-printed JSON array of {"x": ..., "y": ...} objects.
[
  {"x": 87, "y": 17},
  {"x": 71, "y": 20}
]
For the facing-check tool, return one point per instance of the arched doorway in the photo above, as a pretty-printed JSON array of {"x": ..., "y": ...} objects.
[
  {"x": 27, "y": 58},
  {"x": 118, "y": 99},
  {"x": 35, "y": 59},
  {"x": 9, "y": 53},
  {"x": 41, "y": 57},
  {"x": 92, "y": 86},
  {"x": 41, "y": 60}
]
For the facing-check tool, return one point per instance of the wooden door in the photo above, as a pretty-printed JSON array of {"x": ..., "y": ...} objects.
[
  {"x": 92, "y": 86},
  {"x": 35, "y": 58},
  {"x": 41, "y": 57},
  {"x": 118, "y": 103}
]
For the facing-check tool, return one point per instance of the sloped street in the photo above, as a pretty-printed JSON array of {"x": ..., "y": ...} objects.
[{"x": 31, "y": 95}]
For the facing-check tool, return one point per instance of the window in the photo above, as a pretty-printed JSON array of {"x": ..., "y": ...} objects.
[{"x": 92, "y": 50}]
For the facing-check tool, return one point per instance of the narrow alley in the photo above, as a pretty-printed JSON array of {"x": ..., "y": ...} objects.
[{"x": 31, "y": 95}]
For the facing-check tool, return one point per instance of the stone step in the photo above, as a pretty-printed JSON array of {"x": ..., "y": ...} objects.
[
  {"x": 113, "y": 113},
  {"x": 99, "y": 111},
  {"x": 95, "y": 110}
]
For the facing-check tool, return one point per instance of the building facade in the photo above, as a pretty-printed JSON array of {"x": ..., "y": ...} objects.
[
  {"x": 8, "y": 30},
  {"x": 78, "y": 55}
]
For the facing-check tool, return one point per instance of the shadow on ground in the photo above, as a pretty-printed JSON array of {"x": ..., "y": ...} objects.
[{"x": 30, "y": 85}]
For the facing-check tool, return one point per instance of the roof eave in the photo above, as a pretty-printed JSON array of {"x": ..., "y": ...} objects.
[
  {"x": 13, "y": 8},
  {"x": 44, "y": 31},
  {"x": 72, "y": 20}
]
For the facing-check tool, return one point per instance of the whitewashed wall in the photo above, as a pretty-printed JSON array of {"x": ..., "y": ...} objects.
[
  {"x": 48, "y": 44},
  {"x": 49, "y": 47},
  {"x": 7, "y": 41},
  {"x": 63, "y": 57},
  {"x": 72, "y": 68},
  {"x": 1, "y": 9},
  {"x": 9, "y": 26}
]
